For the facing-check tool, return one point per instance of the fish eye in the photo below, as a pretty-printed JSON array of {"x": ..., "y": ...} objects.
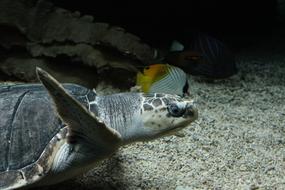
[{"x": 175, "y": 111}]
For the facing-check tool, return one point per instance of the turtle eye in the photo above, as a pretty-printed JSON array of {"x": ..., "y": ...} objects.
[{"x": 175, "y": 111}]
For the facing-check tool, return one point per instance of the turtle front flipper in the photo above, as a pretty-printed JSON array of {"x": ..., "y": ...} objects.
[{"x": 81, "y": 122}]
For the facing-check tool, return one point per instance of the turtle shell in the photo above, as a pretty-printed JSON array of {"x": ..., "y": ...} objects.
[{"x": 28, "y": 125}]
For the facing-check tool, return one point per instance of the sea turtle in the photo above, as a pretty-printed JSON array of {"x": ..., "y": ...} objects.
[{"x": 51, "y": 132}]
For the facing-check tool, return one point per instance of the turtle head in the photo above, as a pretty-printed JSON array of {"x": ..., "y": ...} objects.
[
  {"x": 142, "y": 117},
  {"x": 165, "y": 114}
]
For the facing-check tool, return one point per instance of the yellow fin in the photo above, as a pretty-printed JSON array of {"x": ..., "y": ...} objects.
[
  {"x": 150, "y": 75},
  {"x": 143, "y": 81}
]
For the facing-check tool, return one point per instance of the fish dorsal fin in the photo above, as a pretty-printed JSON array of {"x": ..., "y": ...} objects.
[
  {"x": 80, "y": 121},
  {"x": 156, "y": 71}
]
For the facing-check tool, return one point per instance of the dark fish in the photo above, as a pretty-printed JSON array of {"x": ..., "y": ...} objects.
[{"x": 205, "y": 56}]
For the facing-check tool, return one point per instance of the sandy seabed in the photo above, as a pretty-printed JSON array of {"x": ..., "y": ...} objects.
[{"x": 238, "y": 142}]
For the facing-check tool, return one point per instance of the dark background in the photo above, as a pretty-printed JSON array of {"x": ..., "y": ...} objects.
[{"x": 238, "y": 23}]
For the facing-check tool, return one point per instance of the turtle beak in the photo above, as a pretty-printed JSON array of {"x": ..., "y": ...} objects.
[{"x": 191, "y": 111}]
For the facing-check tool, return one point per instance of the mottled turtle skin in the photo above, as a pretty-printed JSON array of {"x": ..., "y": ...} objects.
[{"x": 51, "y": 132}]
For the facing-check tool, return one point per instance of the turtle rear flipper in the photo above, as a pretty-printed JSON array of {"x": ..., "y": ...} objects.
[{"x": 80, "y": 121}]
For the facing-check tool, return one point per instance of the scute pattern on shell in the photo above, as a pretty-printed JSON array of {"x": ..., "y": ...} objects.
[
  {"x": 28, "y": 123},
  {"x": 33, "y": 172}
]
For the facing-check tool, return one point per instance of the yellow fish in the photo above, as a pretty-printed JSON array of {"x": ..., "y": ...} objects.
[{"x": 163, "y": 78}]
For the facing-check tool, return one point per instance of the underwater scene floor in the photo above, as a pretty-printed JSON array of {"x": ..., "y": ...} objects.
[{"x": 238, "y": 142}]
